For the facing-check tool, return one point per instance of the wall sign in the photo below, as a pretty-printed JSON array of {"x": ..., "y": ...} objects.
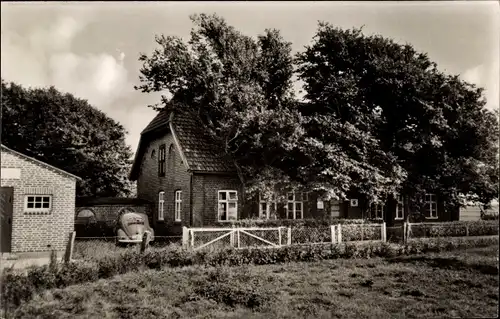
[
  {"x": 10, "y": 173},
  {"x": 354, "y": 202}
]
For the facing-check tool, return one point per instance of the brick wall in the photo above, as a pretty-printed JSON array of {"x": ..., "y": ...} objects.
[
  {"x": 106, "y": 217},
  {"x": 205, "y": 192},
  {"x": 31, "y": 232},
  {"x": 149, "y": 184}
]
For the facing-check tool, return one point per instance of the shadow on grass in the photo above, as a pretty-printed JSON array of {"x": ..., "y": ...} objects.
[{"x": 446, "y": 263}]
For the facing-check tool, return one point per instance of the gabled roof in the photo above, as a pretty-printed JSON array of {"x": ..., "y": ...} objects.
[
  {"x": 199, "y": 152},
  {"x": 34, "y": 160}
]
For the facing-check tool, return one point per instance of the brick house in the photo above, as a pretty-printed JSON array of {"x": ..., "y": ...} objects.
[
  {"x": 180, "y": 169},
  {"x": 38, "y": 204}
]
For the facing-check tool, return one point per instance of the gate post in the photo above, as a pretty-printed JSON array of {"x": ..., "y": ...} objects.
[
  {"x": 333, "y": 233},
  {"x": 384, "y": 232},
  {"x": 69, "y": 248},
  {"x": 289, "y": 237},
  {"x": 339, "y": 233},
  {"x": 279, "y": 235},
  {"x": 185, "y": 237}
]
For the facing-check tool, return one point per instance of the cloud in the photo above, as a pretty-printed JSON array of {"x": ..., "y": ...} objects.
[
  {"x": 488, "y": 79},
  {"x": 45, "y": 57}
]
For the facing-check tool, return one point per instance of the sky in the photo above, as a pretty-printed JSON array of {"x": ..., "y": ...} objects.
[{"x": 91, "y": 49}]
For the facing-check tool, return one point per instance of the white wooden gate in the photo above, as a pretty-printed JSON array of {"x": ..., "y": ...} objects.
[{"x": 246, "y": 237}]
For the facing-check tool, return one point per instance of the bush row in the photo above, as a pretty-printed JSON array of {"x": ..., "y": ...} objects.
[
  {"x": 455, "y": 229},
  {"x": 313, "y": 222},
  {"x": 19, "y": 288}
]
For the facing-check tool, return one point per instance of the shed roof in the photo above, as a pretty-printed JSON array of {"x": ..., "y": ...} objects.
[{"x": 38, "y": 162}]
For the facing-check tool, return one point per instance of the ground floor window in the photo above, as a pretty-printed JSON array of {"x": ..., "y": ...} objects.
[
  {"x": 161, "y": 205},
  {"x": 400, "y": 207},
  {"x": 267, "y": 208},
  {"x": 178, "y": 206},
  {"x": 38, "y": 203},
  {"x": 431, "y": 206},
  {"x": 295, "y": 205},
  {"x": 377, "y": 211},
  {"x": 228, "y": 205}
]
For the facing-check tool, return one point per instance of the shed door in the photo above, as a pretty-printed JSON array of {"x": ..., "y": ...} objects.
[{"x": 6, "y": 195}]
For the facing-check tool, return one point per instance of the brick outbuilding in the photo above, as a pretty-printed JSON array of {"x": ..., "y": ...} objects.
[{"x": 37, "y": 204}]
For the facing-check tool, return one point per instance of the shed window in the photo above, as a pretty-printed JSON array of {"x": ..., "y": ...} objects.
[
  {"x": 38, "y": 203},
  {"x": 377, "y": 211},
  {"x": 84, "y": 217}
]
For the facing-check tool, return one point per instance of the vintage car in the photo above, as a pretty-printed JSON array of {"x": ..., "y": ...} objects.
[{"x": 132, "y": 226}]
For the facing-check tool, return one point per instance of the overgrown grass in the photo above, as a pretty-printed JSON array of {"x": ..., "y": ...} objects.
[
  {"x": 412, "y": 287},
  {"x": 19, "y": 288}
]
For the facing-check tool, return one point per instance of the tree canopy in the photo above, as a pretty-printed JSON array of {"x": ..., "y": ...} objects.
[
  {"x": 68, "y": 133},
  {"x": 378, "y": 118},
  {"x": 425, "y": 131}
]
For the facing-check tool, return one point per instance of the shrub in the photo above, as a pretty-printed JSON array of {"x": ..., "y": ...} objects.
[
  {"x": 455, "y": 229},
  {"x": 18, "y": 288}
]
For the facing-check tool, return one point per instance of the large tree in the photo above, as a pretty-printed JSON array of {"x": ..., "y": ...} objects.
[
  {"x": 68, "y": 133},
  {"x": 240, "y": 90},
  {"x": 403, "y": 125}
]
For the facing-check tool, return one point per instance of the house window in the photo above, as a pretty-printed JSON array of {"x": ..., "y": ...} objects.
[
  {"x": 267, "y": 209},
  {"x": 161, "y": 160},
  {"x": 38, "y": 203},
  {"x": 400, "y": 208},
  {"x": 178, "y": 206},
  {"x": 334, "y": 208},
  {"x": 295, "y": 205},
  {"x": 431, "y": 206},
  {"x": 228, "y": 205},
  {"x": 377, "y": 211},
  {"x": 161, "y": 205}
]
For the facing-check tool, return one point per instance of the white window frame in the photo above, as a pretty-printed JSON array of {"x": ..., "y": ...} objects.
[
  {"x": 269, "y": 204},
  {"x": 375, "y": 209},
  {"x": 227, "y": 201},
  {"x": 39, "y": 209},
  {"x": 291, "y": 198},
  {"x": 178, "y": 205},
  {"x": 430, "y": 211},
  {"x": 400, "y": 208},
  {"x": 161, "y": 205}
]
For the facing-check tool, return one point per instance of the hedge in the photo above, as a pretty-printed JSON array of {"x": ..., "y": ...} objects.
[
  {"x": 19, "y": 288},
  {"x": 455, "y": 229}
]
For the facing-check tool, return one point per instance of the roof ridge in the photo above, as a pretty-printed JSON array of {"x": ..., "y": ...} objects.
[{"x": 40, "y": 162}]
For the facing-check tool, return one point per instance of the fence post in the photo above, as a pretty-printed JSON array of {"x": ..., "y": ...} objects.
[
  {"x": 333, "y": 232},
  {"x": 384, "y": 232},
  {"x": 405, "y": 239},
  {"x": 238, "y": 236},
  {"x": 279, "y": 235},
  {"x": 185, "y": 237},
  {"x": 362, "y": 231},
  {"x": 69, "y": 248},
  {"x": 231, "y": 237},
  {"x": 145, "y": 241},
  {"x": 191, "y": 234},
  {"x": 289, "y": 237},
  {"x": 339, "y": 233}
]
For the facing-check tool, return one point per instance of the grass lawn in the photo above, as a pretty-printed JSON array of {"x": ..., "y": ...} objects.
[{"x": 462, "y": 283}]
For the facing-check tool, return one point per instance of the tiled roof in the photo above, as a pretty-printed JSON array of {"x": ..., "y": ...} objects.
[{"x": 201, "y": 151}]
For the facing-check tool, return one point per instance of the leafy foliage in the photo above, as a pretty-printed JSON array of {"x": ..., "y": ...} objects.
[
  {"x": 68, "y": 133},
  {"x": 239, "y": 89},
  {"x": 383, "y": 119}
]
